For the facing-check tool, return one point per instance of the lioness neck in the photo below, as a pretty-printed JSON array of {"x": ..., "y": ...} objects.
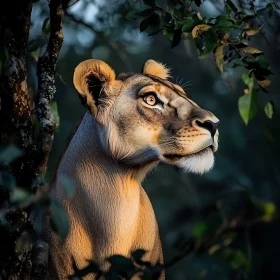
[
  {"x": 100, "y": 177},
  {"x": 109, "y": 208},
  {"x": 87, "y": 161}
]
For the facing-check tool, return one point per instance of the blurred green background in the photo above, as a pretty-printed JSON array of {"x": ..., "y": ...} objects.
[{"x": 247, "y": 169}]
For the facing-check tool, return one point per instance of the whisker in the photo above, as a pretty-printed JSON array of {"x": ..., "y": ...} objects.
[
  {"x": 180, "y": 82},
  {"x": 186, "y": 84}
]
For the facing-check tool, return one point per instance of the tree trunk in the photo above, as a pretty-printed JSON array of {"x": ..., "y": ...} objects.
[
  {"x": 16, "y": 121},
  {"x": 17, "y": 114}
]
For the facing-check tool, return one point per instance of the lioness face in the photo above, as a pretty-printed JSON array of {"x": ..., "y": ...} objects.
[{"x": 146, "y": 118}]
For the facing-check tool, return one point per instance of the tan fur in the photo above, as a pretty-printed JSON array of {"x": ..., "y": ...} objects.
[
  {"x": 152, "y": 67},
  {"x": 118, "y": 141}
]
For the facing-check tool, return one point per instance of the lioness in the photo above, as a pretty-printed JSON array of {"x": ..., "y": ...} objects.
[{"x": 134, "y": 121}]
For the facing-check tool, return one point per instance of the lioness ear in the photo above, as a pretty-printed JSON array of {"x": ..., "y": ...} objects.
[
  {"x": 90, "y": 80},
  {"x": 155, "y": 68}
]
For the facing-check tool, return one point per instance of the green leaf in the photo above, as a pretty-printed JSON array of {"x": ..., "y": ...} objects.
[
  {"x": 176, "y": 38},
  {"x": 269, "y": 8},
  {"x": 145, "y": 23},
  {"x": 19, "y": 195},
  {"x": 59, "y": 220},
  {"x": 9, "y": 154},
  {"x": 231, "y": 6},
  {"x": 153, "y": 20},
  {"x": 261, "y": 60},
  {"x": 219, "y": 57},
  {"x": 197, "y": 2},
  {"x": 35, "y": 54},
  {"x": 121, "y": 264},
  {"x": 33, "y": 45},
  {"x": 205, "y": 39},
  {"x": 224, "y": 22},
  {"x": 238, "y": 62},
  {"x": 199, "y": 229},
  {"x": 188, "y": 25},
  {"x": 269, "y": 109},
  {"x": 269, "y": 208},
  {"x": 91, "y": 267},
  {"x": 251, "y": 50},
  {"x": 211, "y": 39},
  {"x": 166, "y": 17},
  {"x": 54, "y": 110},
  {"x": 138, "y": 254},
  {"x": 46, "y": 27},
  {"x": 248, "y": 81},
  {"x": 69, "y": 185},
  {"x": 168, "y": 33},
  {"x": 247, "y": 105},
  {"x": 236, "y": 259}
]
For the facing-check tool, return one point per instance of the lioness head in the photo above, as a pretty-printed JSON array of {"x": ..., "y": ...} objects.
[{"x": 144, "y": 118}]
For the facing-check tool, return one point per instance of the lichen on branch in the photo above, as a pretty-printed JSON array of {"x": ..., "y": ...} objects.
[{"x": 46, "y": 72}]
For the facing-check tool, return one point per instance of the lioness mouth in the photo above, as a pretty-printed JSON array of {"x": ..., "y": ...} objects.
[{"x": 177, "y": 156}]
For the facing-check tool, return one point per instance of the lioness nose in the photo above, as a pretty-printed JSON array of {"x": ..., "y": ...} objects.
[{"x": 209, "y": 125}]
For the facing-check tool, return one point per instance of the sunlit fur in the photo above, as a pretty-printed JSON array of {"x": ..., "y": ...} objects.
[
  {"x": 119, "y": 140},
  {"x": 156, "y": 68}
]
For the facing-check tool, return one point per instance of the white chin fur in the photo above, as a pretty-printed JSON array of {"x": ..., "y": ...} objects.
[{"x": 198, "y": 163}]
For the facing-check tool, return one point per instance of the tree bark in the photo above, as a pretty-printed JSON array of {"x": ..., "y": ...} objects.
[
  {"x": 46, "y": 72},
  {"x": 16, "y": 124},
  {"x": 15, "y": 113},
  {"x": 16, "y": 127}
]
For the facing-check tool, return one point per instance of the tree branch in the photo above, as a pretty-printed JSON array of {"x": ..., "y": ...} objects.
[
  {"x": 46, "y": 72},
  {"x": 39, "y": 259}
]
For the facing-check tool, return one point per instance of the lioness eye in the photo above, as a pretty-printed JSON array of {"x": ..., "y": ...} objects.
[{"x": 150, "y": 99}]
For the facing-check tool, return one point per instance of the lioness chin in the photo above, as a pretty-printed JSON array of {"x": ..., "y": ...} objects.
[{"x": 134, "y": 121}]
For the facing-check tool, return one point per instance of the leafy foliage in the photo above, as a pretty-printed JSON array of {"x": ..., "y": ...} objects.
[
  {"x": 9, "y": 154},
  {"x": 227, "y": 36}
]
